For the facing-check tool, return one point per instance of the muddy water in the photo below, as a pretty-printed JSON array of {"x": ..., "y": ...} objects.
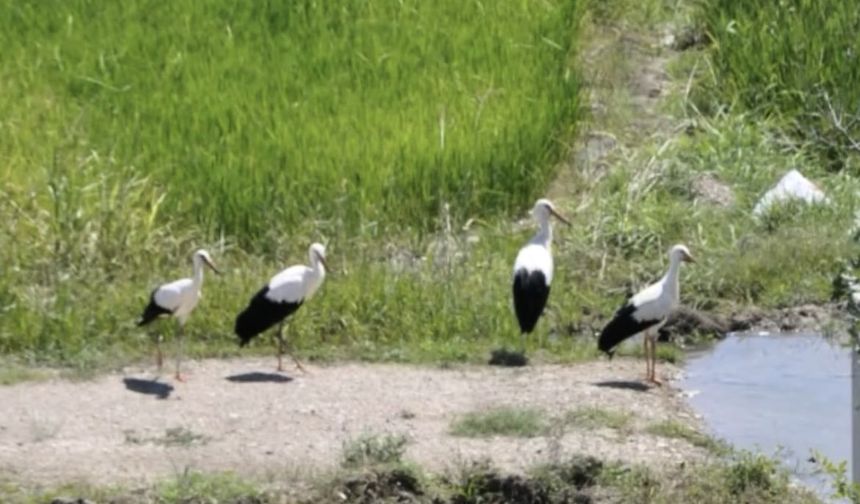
[{"x": 783, "y": 395}]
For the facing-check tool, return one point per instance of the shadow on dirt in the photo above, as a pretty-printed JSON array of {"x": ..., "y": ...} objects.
[
  {"x": 624, "y": 385},
  {"x": 508, "y": 358},
  {"x": 258, "y": 377},
  {"x": 148, "y": 387}
]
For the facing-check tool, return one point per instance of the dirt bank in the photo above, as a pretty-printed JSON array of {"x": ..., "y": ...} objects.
[{"x": 237, "y": 415}]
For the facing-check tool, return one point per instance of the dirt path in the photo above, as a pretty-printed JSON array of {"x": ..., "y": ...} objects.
[{"x": 235, "y": 415}]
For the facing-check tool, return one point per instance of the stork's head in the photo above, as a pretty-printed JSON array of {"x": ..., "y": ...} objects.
[
  {"x": 680, "y": 253},
  {"x": 317, "y": 254},
  {"x": 543, "y": 209},
  {"x": 203, "y": 257}
]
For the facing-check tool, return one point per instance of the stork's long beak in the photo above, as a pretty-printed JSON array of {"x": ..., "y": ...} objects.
[
  {"x": 688, "y": 258},
  {"x": 559, "y": 216},
  {"x": 325, "y": 264},
  {"x": 211, "y": 265}
]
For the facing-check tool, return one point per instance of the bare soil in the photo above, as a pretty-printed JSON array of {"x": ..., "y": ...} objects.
[{"x": 238, "y": 415}]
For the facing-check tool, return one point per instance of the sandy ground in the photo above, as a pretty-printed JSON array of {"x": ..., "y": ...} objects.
[{"x": 238, "y": 415}]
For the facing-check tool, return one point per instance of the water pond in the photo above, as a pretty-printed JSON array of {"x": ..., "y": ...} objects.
[{"x": 784, "y": 395}]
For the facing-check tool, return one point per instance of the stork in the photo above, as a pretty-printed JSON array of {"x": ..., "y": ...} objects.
[
  {"x": 278, "y": 299},
  {"x": 646, "y": 312},
  {"x": 177, "y": 299},
  {"x": 533, "y": 270}
]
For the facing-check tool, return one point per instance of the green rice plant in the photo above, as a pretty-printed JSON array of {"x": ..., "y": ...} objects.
[
  {"x": 253, "y": 130},
  {"x": 795, "y": 60},
  {"x": 250, "y": 118}
]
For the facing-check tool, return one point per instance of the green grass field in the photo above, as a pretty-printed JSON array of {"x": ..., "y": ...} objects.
[
  {"x": 252, "y": 118},
  {"x": 796, "y": 61}
]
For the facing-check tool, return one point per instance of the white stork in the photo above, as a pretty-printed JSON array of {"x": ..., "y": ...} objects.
[
  {"x": 646, "y": 312},
  {"x": 177, "y": 299},
  {"x": 533, "y": 270},
  {"x": 282, "y": 296}
]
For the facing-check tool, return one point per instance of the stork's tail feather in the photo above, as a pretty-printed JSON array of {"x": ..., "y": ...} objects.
[
  {"x": 151, "y": 312},
  {"x": 622, "y": 326},
  {"x": 530, "y": 290},
  {"x": 261, "y": 314},
  {"x": 245, "y": 327}
]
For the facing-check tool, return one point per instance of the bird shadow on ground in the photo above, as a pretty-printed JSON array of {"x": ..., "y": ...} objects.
[
  {"x": 508, "y": 358},
  {"x": 148, "y": 387},
  {"x": 623, "y": 384},
  {"x": 258, "y": 377}
]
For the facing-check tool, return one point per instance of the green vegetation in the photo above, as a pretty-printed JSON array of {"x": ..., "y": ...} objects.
[
  {"x": 745, "y": 478},
  {"x": 254, "y": 130},
  {"x": 503, "y": 421},
  {"x": 749, "y": 478},
  {"x": 598, "y": 418},
  {"x": 843, "y": 488},
  {"x": 372, "y": 449},
  {"x": 794, "y": 60},
  {"x": 252, "y": 117},
  {"x": 14, "y": 373},
  {"x": 200, "y": 487},
  {"x": 673, "y": 429}
]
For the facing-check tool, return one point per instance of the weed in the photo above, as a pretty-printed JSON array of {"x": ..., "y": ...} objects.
[
  {"x": 504, "y": 421},
  {"x": 193, "y": 486},
  {"x": 843, "y": 488},
  {"x": 11, "y": 374},
  {"x": 598, "y": 418},
  {"x": 372, "y": 449},
  {"x": 677, "y": 430}
]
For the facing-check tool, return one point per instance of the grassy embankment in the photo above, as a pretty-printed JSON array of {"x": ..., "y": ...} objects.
[{"x": 254, "y": 130}]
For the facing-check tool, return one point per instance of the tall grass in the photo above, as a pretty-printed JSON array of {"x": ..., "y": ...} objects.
[
  {"x": 134, "y": 133},
  {"x": 793, "y": 59},
  {"x": 257, "y": 115}
]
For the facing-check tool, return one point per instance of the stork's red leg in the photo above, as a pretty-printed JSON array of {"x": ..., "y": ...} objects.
[
  {"x": 653, "y": 358},
  {"x": 159, "y": 357},
  {"x": 647, "y": 360},
  {"x": 280, "y": 342},
  {"x": 289, "y": 351},
  {"x": 179, "y": 342}
]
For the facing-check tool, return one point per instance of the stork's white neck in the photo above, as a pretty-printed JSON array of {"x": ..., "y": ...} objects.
[
  {"x": 544, "y": 235},
  {"x": 318, "y": 267},
  {"x": 198, "y": 272},
  {"x": 670, "y": 280},
  {"x": 316, "y": 276}
]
